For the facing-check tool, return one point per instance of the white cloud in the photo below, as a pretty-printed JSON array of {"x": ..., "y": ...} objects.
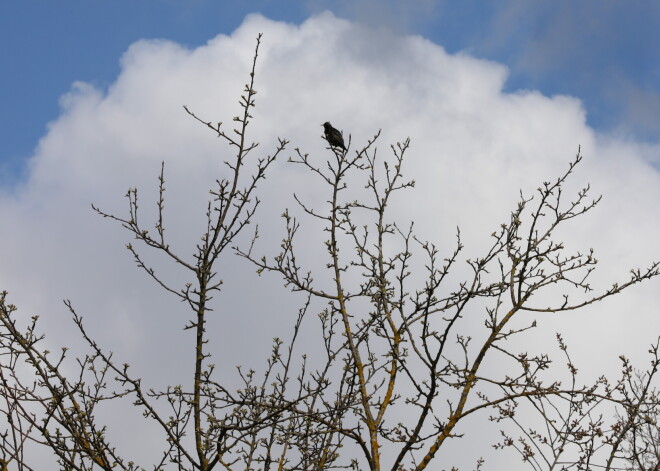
[{"x": 473, "y": 147}]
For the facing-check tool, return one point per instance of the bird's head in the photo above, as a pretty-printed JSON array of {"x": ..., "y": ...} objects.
[{"x": 327, "y": 125}]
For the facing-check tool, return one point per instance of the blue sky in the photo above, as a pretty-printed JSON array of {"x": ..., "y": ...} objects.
[{"x": 603, "y": 52}]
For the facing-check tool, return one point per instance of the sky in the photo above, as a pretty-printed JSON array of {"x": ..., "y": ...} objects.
[
  {"x": 601, "y": 51},
  {"x": 496, "y": 98}
]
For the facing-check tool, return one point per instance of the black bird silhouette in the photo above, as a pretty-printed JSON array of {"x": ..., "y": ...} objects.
[{"x": 333, "y": 136}]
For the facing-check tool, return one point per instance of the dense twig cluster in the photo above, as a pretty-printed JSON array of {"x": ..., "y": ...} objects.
[{"x": 397, "y": 370}]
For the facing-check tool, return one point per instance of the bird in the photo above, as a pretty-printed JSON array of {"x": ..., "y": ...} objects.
[{"x": 334, "y": 137}]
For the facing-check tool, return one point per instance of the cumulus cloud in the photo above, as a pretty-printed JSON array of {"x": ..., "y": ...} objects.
[{"x": 473, "y": 147}]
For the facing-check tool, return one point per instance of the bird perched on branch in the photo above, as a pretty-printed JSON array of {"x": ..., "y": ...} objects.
[{"x": 334, "y": 137}]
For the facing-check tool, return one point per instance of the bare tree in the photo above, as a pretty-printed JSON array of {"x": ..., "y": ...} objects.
[
  {"x": 401, "y": 343},
  {"x": 401, "y": 365},
  {"x": 636, "y": 437},
  {"x": 588, "y": 425}
]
